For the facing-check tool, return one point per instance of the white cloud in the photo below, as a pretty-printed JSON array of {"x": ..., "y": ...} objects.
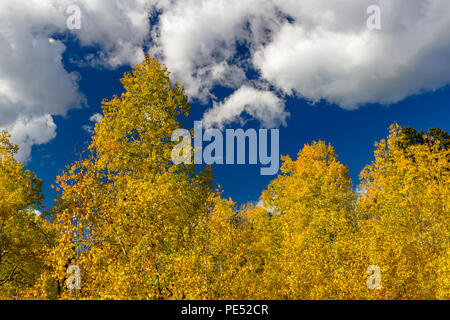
[
  {"x": 96, "y": 118},
  {"x": 33, "y": 82},
  {"x": 119, "y": 27},
  {"x": 316, "y": 49},
  {"x": 264, "y": 106},
  {"x": 37, "y": 213},
  {"x": 32, "y": 131},
  {"x": 261, "y": 205},
  {"x": 34, "y": 85},
  {"x": 333, "y": 56},
  {"x": 323, "y": 52}
]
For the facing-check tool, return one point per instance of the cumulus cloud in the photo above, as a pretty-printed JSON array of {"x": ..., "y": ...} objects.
[
  {"x": 119, "y": 28},
  {"x": 314, "y": 49},
  {"x": 27, "y": 132},
  {"x": 34, "y": 84},
  {"x": 333, "y": 56},
  {"x": 198, "y": 40},
  {"x": 264, "y": 106}
]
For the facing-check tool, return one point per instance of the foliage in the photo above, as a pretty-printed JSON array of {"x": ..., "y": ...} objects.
[
  {"x": 128, "y": 217},
  {"x": 404, "y": 217},
  {"x": 141, "y": 227},
  {"x": 23, "y": 233}
]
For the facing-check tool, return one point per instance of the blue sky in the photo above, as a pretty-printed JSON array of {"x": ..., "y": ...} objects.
[
  {"x": 352, "y": 133},
  {"x": 323, "y": 74}
]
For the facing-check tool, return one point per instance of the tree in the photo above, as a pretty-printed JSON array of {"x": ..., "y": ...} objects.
[
  {"x": 410, "y": 137},
  {"x": 23, "y": 232},
  {"x": 140, "y": 226},
  {"x": 404, "y": 216},
  {"x": 260, "y": 234},
  {"x": 132, "y": 217},
  {"x": 313, "y": 199}
]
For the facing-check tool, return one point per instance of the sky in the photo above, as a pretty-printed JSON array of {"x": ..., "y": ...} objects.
[{"x": 314, "y": 69}]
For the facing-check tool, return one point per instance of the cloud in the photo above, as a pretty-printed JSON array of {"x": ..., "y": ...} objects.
[
  {"x": 198, "y": 40},
  {"x": 119, "y": 28},
  {"x": 334, "y": 57},
  {"x": 314, "y": 49},
  {"x": 96, "y": 118},
  {"x": 34, "y": 84},
  {"x": 261, "y": 205},
  {"x": 264, "y": 106},
  {"x": 27, "y": 132}
]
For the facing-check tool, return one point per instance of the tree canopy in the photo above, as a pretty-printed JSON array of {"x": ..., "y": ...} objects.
[{"x": 139, "y": 226}]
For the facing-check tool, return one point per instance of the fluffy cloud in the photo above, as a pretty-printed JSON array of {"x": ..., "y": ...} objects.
[
  {"x": 120, "y": 28},
  {"x": 33, "y": 82},
  {"x": 262, "y": 49},
  {"x": 333, "y": 56},
  {"x": 315, "y": 49},
  {"x": 34, "y": 85},
  {"x": 198, "y": 40},
  {"x": 27, "y": 132},
  {"x": 264, "y": 106},
  {"x": 95, "y": 118},
  {"x": 210, "y": 43}
]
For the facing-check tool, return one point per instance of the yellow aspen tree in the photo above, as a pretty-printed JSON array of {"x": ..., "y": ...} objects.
[
  {"x": 404, "y": 217},
  {"x": 23, "y": 232},
  {"x": 223, "y": 249},
  {"x": 313, "y": 198},
  {"x": 260, "y": 238},
  {"x": 127, "y": 216},
  {"x": 232, "y": 253}
]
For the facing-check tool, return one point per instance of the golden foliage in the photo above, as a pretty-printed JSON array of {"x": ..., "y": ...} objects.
[
  {"x": 23, "y": 233},
  {"x": 405, "y": 218},
  {"x": 141, "y": 227}
]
